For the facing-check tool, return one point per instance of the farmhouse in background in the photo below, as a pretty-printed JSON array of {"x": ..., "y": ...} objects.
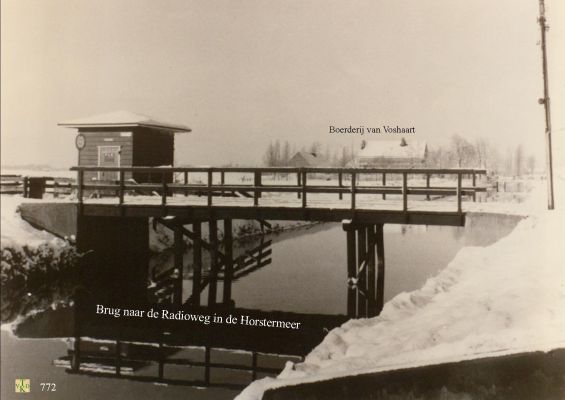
[
  {"x": 305, "y": 159},
  {"x": 392, "y": 154},
  {"x": 124, "y": 139}
]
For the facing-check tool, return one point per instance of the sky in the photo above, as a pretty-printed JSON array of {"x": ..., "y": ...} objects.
[{"x": 244, "y": 73}]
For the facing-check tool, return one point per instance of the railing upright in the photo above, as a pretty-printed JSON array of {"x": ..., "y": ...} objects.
[
  {"x": 121, "y": 190},
  {"x": 80, "y": 180},
  {"x": 186, "y": 183},
  {"x": 209, "y": 194},
  {"x": 428, "y": 186},
  {"x": 459, "y": 192},
  {"x": 164, "y": 189},
  {"x": 304, "y": 183},
  {"x": 353, "y": 186},
  {"x": 384, "y": 184},
  {"x": 257, "y": 185},
  {"x": 340, "y": 184},
  {"x": 474, "y": 177},
  {"x": 404, "y": 191}
]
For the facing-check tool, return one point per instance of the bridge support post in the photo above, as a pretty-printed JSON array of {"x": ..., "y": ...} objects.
[
  {"x": 351, "y": 269},
  {"x": 362, "y": 256},
  {"x": 371, "y": 273},
  {"x": 196, "y": 263},
  {"x": 212, "y": 286},
  {"x": 116, "y": 260},
  {"x": 379, "y": 244},
  {"x": 228, "y": 266},
  {"x": 365, "y": 269},
  {"x": 178, "y": 262}
]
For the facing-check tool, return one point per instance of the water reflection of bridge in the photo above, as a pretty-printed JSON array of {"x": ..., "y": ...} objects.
[{"x": 184, "y": 353}]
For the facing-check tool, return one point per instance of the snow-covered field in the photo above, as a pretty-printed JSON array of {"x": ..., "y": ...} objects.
[{"x": 502, "y": 299}]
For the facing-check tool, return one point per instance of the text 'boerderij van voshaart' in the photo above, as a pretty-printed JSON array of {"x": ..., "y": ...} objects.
[
  {"x": 205, "y": 319},
  {"x": 362, "y": 129}
]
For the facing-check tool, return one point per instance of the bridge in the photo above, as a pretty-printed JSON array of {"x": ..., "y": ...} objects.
[
  {"x": 309, "y": 194},
  {"x": 113, "y": 220}
]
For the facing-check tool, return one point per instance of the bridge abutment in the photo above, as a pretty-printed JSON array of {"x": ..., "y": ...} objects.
[{"x": 116, "y": 257}]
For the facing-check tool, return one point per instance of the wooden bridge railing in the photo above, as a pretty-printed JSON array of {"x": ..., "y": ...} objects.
[
  {"x": 35, "y": 186},
  {"x": 302, "y": 188}
]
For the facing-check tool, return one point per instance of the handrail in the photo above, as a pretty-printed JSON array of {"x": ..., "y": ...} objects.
[
  {"x": 309, "y": 170},
  {"x": 302, "y": 188}
]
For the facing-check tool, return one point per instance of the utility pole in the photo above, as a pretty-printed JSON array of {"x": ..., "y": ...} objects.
[{"x": 545, "y": 102}]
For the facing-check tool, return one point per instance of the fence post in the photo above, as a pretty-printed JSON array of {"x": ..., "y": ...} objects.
[
  {"x": 384, "y": 184},
  {"x": 186, "y": 183},
  {"x": 299, "y": 182},
  {"x": 404, "y": 191},
  {"x": 459, "y": 192},
  {"x": 353, "y": 184},
  {"x": 24, "y": 186}
]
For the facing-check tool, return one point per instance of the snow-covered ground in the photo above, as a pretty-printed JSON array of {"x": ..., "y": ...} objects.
[
  {"x": 506, "y": 298},
  {"x": 15, "y": 232}
]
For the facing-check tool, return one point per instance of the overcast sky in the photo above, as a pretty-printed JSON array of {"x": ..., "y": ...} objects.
[{"x": 242, "y": 73}]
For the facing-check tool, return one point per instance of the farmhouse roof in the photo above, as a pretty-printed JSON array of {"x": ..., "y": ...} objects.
[
  {"x": 393, "y": 149},
  {"x": 312, "y": 159},
  {"x": 122, "y": 119}
]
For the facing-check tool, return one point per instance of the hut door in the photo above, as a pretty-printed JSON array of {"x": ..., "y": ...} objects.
[{"x": 108, "y": 156}]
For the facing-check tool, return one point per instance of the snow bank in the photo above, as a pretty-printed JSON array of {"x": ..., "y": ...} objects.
[
  {"x": 508, "y": 297},
  {"x": 15, "y": 232}
]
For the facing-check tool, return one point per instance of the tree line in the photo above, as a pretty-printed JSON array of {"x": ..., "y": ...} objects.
[{"x": 459, "y": 152}]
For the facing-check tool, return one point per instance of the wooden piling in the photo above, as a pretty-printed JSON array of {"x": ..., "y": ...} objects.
[
  {"x": 228, "y": 263},
  {"x": 371, "y": 273},
  {"x": 351, "y": 270},
  {"x": 361, "y": 271},
  {"x": 196, "y": 263},
  {"x": 213, "y": 278},
  {"x": 379, "y": 237},
  {"x": 178, "y": 255}
]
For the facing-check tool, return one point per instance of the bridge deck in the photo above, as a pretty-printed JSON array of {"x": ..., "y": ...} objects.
[{"x": 317, "y": 194}]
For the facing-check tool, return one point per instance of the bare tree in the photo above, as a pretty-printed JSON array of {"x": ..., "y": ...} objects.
[
  {"x": 462, "y": 151},
  {"x": 519, "y": 160},
  {"x": 531, "y": 164},
  {"x": 286, "y": 153}
]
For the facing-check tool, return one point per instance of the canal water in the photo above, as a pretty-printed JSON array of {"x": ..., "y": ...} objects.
[{"x": 307, "y": 274}]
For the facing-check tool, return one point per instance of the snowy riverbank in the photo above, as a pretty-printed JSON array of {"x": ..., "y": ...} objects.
[{"x": 505, "y": 298}]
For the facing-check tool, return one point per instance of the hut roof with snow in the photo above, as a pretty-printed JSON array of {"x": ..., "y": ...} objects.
[{"x": 121, "y": 119}]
